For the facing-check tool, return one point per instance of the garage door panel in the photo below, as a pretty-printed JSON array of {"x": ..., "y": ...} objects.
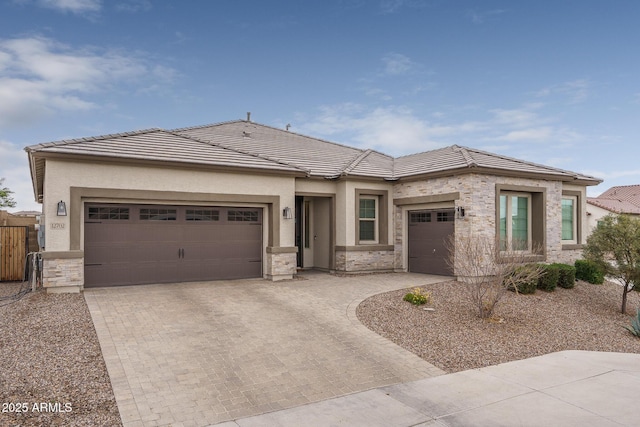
[
  {"x": 200, "y": 244},
  {"x": 428, "y": 233}
]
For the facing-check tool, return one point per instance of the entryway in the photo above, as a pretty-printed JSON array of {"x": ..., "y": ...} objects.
[{"x": 314, "y": 236}]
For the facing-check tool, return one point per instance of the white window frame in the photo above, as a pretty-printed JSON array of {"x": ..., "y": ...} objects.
[
  {"x": 575, "y": 220},
  {"x": 509, "y": 217},
  {"x": 376, "y": 200}
]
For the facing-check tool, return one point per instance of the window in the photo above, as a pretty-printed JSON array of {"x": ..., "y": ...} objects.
[
  {"x": 242, "y": 215},
  {"x": 446, "y": 216},
  {"x": 108, "y": 213},
  {"x": 569, "y": 219},
  {"x": 515, "y": 222},
  {"x": 202, "y": 215},
  {"x": 368, "y": 220},
  {"x": 153, "y": 214},
  {"x": 420, "y": 217}
]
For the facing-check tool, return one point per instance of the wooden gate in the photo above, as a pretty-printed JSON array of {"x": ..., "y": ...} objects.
[{"x": 14, "y": 245}]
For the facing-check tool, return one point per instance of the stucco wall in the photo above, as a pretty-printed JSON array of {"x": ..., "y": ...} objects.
[{"x": 62, "y": 175}]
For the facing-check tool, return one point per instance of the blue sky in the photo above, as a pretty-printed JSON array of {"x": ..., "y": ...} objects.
[{"x": 553, "y": 82}]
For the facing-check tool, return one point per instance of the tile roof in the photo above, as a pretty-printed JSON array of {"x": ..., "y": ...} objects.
[
  {"x": 245, "y": 144},
  {"x": 620, "y": 199}
]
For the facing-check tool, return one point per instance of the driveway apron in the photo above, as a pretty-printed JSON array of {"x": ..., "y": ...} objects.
[{"x": 195, "y": 354}]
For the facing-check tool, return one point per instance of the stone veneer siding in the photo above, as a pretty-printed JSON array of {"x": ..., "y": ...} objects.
[
  {"x": 361, "y": 261},
  {"x": 63, "y": 274},
  {"x": 478, "y": 198},
  {"x": 281, "y": 265}
]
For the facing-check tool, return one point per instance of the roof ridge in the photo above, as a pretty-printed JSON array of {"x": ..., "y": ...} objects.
[
  {"x": 355, "y": 162},
  {"x": 92, "y": 138},
  {"x": 260, "y": 156},
  {"x": 207, "y": 125},
  {"x": 471, "y": 163}
]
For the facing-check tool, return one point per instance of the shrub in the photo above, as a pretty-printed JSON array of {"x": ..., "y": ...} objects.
[
  {"x": 417, "y": 297},
  {"x": 589, "y": 271},
  {"x": 567, "y": 277},
  {"x": 523, "y": 282},
  {"x": 548, "y": 280},
  {"x": 635, "y": 325}
]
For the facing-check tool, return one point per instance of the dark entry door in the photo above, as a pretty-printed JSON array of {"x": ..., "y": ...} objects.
[
  {"x": 429, "y": 231},
  {"x": 135, "y": 244}
]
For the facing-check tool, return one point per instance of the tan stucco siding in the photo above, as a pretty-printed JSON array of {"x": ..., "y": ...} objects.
[{"x": 61, "y": 176}]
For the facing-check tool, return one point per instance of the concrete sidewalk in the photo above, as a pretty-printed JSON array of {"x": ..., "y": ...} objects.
[{"x": 569, "y": 388}]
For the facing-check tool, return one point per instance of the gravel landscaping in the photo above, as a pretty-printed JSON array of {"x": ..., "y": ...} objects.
[
  {"x": 51, "y": 368},
  {"x": 452, "y": 338}
]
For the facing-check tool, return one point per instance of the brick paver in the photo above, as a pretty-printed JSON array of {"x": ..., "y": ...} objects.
[{"x": 195, "y": 354}]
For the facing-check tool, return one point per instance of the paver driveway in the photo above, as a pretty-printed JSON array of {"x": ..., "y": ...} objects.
[{"x": 195, "y": 354}]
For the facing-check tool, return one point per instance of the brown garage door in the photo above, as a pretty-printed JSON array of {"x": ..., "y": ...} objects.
[
  {"x": 429, "y": 231},
  {"x": 135, "y": 244}
]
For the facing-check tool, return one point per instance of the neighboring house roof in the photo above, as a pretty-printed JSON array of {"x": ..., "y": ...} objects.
[
  {"x": 245, "y": 144},
  {"x": 623, "y": 199}
]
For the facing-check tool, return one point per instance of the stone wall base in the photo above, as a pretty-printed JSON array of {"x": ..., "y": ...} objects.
[
  {"x": 364, "y": 261},
  {"x": 281, "y": 266},
  {"x": 63, "y": 272}
]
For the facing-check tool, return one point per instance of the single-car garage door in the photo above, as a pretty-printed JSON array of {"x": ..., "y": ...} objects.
[
  {"x": 135, "y": 244},
  {"x": 429, "y": 231}
]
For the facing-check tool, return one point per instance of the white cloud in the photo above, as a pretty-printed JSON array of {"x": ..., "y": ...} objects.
[
  {"x": 396, "y": 63},
  {"x": 41, "y": 76},
  {"x": 479, "y": 17},
  {"x": 133, "y": 6},
  {"x": 398, "y": 130},
  {"x": 575, "y": 91},
  {"x": 73, "y": 6}
]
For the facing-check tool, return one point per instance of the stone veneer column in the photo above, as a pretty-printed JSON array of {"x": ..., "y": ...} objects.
[
  {"x": 281, "y": 263},
  {"x": 63, "y": 272}
]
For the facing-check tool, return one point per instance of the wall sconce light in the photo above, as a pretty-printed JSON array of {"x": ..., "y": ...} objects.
[
  {"x": 286, "y": 213},
  {"x": 460, "y": 211},
  {"x": 62, "y": 208}
]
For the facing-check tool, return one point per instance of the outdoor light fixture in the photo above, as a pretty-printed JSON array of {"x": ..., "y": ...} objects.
[
  {"x": 460, "y": 211},
  {"x": 286, "y": 213},
  {"x": 62, "y": 209}
]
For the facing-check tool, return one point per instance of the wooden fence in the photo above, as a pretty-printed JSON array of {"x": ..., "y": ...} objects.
[{"x": 14, "y": 245}]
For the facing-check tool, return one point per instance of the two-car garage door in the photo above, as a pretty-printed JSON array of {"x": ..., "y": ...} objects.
[{"x": 135, "y": 244}]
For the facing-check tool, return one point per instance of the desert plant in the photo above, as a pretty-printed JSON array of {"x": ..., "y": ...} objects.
[
  {"x": 615, "y": 247},
  {"x": 635, "y": 325},
  {"x": 488, "y": 272},
  {"x": 521, "y": 280},
  {"x": 589, "y": 271},
  {"x": 417, "y": 296},
  {"x": 567, "y": 275},
  {"x": 548, "y": 280}
]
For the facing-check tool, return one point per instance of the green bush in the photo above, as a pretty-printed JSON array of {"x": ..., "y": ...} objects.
[
  {"x": 417, "y": 297},
  {"x": 524, "y": 286},
  {"x": 548, "y": 280},
  {"x": 567, "y": 277},
  {"x": 589, "y": 271}
]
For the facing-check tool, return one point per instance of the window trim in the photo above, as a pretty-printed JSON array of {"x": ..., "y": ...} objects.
[
  {"x": 574, "y": 220},
  {"x": 577, "y": 244},
  {"x": 374, "y": 220},
  {"x": 537, "y": 215},
  {"x": 382, "y": 224},
  {"x": 509, "y": 219}
]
